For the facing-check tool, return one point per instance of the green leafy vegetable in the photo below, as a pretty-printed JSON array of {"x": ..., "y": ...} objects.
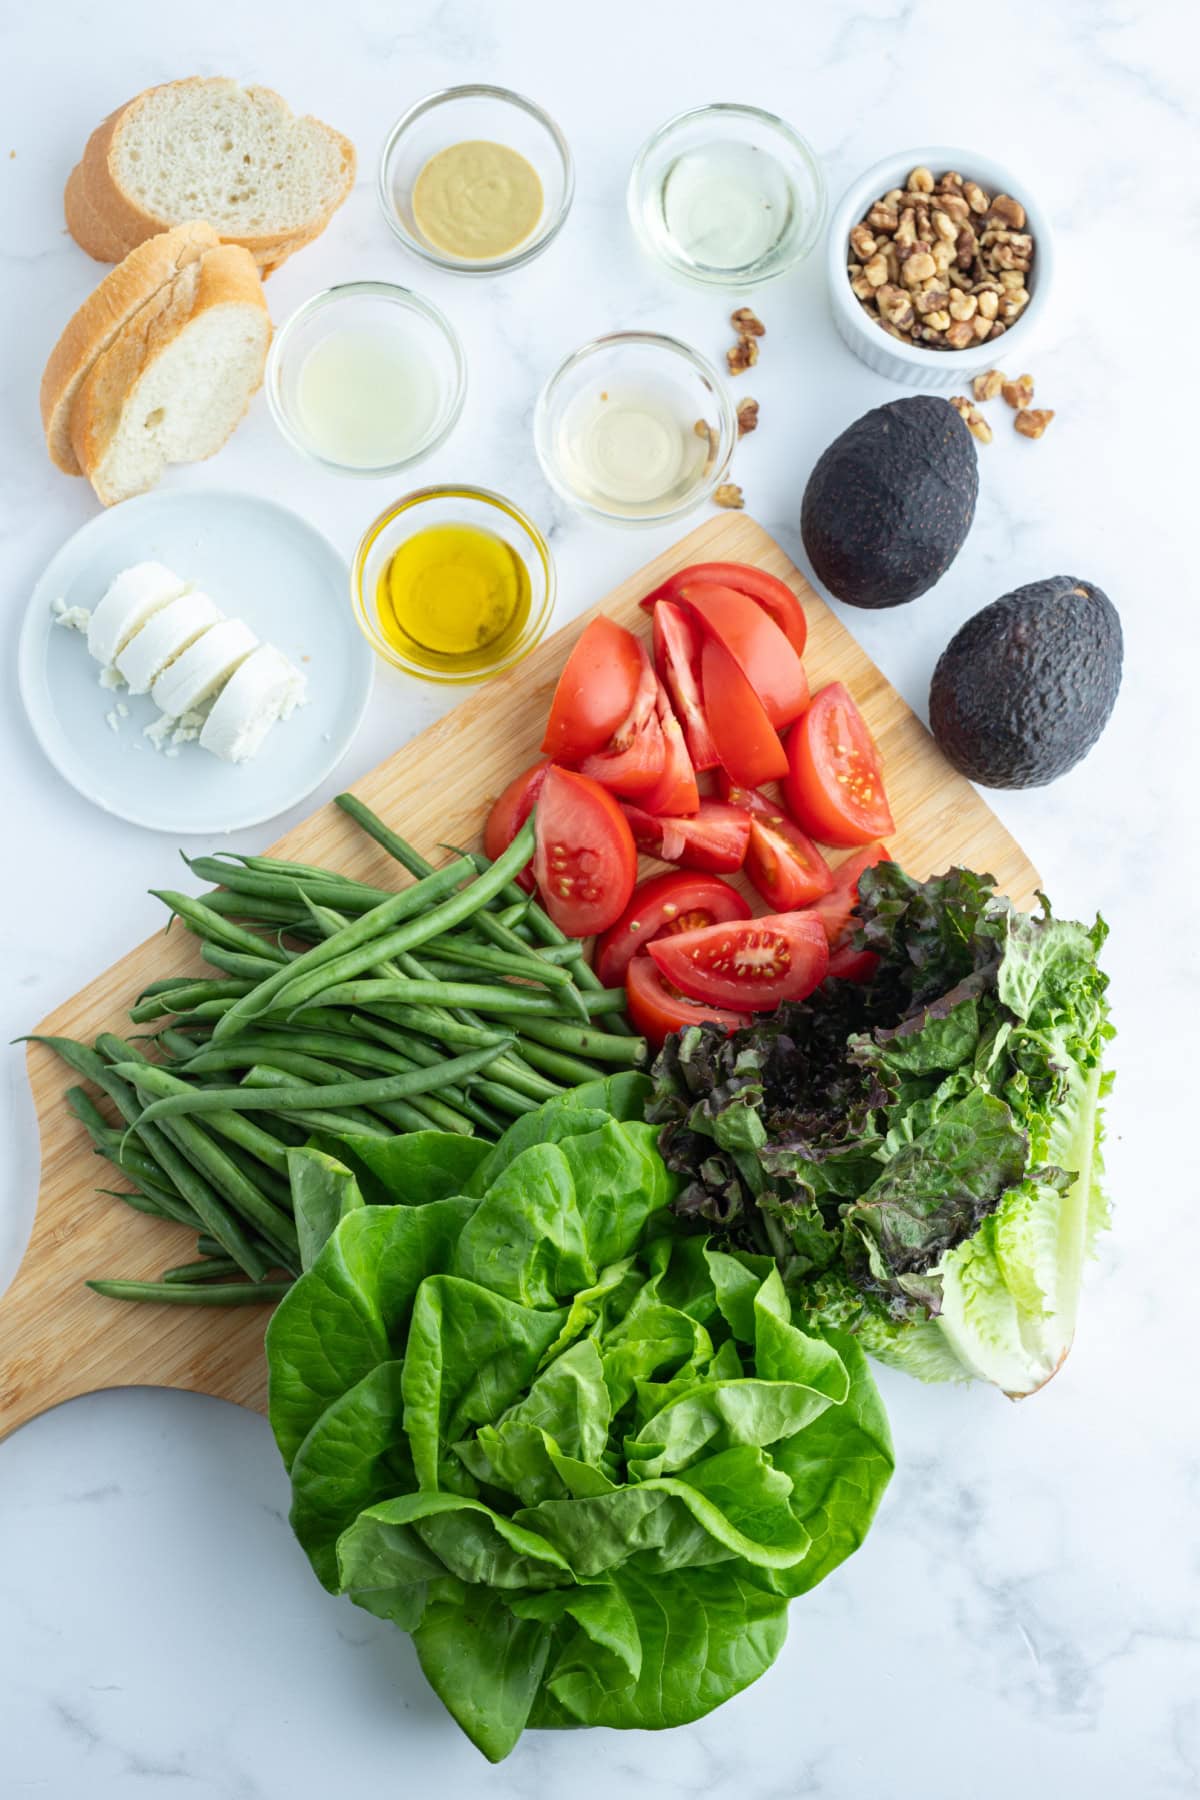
[
  {"x": 920, "y": 1153},
  {"x": 584, "y": 1458}
]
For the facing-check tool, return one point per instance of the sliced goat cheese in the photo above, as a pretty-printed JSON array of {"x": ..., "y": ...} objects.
[
  {"x": 204, "y": 667},
  {"x": 133, "y": 596},
  {"x": 164, "y": 636},
  {"x": 265, "y": 688}
]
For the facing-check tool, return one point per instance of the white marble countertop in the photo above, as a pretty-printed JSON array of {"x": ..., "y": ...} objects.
[{"x": 1024, "y": 1617}]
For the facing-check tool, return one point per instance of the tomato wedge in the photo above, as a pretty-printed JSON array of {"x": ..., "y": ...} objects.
[
  {"x": 747, "y": 742},
  {"x": 509, "y": 813},
  {"x": 836, "y": 909},
  {"x": 834, "y": 783},
  {"x": 677, "y": 659},
  {"x": 595, "y": 691},
  {"x": 676, "y": 790},
  {"x": 714, "y": 839},
  {"x": 849, "y": 964},
  {"x": 752, "y": 965},
  {"x": 656, "y": 1009},
  {"x": 774, "y": 596},
  {"x": 757, "y": 646},
  {"x": 665, "y": 903},
  {"x": 634, "y": 759},
  {"x": 584, "y": 861},
  {"x": 785, "y": 866}
]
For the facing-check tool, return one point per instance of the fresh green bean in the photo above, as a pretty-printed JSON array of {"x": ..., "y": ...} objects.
[
  {"x": 569, "y": 1069},
  {"x": 207, "y": 1269},
  {"x": 158, "y": 1081},
  {"x": 282, "y": 1067},
  {"x": 604, "y": 1001},
  {"x": 199, "y": 917},
  {"x": 397, "y": 847},
  {"x": 565, "y": 954},
  {"x": 505, "y": 1099},
  {"x": 186, "y": 997},
  {"x": 239, "y": 962},
  {"x": 427, "y": 1056},
  {"x": 227, "y": 904},
  {"x": 162, "y": 987},
  {"x": 185, "y": 1293},
  {"x": 139, "y": 1202},
  {"x": 205, "y": 1202},
  {"x": 596, "y": 1046},
  {"x": 509, "y": 1002},
  {"x": 273, "y": 865},
  {"x": 337, "y": 890},
  {"x": 207, "y": 1246},
  {"x": 524, "y": 967},
  {"x": 336, "y": 1094},
  {"x": 367, "y": 935}
]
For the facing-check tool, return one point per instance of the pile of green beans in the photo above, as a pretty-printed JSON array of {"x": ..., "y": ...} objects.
[{"x": 453, "y": 1003}]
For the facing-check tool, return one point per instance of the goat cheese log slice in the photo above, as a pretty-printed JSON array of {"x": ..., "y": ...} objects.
[
  {"x": 265, "y": 688},
  {"x": 164, "y": 637},
  {"x": 193, "y": 678},
  {"x": 133, "y": 596}
]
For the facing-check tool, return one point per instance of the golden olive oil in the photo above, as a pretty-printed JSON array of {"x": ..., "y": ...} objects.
[{"x": 454, "y": 598}]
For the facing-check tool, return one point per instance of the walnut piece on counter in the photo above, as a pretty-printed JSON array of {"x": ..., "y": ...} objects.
[
  {"x": 742, "y": 356},
  {"x": 747, "y": 417},
  {"x": 730, "y": 495},
  {"x": 987, "y": 386},
  {"x": 1018, "y": 393},
  {"x": 746, "y": 322},
  {"x": 1032, "y": 424},
  {"x": 972, "y": 418}
]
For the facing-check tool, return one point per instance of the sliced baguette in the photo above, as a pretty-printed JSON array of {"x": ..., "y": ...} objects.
[
  {"x": 177, "y": 378},
  {"x": 119, "y": 298},
  {"x": 207, "y": 148}
]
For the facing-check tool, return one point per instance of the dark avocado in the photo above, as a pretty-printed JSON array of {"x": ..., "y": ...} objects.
[
  {"x": 1023, "y": 689},
  {"x": 890, "y": 502}
]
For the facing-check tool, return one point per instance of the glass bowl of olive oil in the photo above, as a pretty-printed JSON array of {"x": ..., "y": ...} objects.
[{"x": 453, "y": 584}]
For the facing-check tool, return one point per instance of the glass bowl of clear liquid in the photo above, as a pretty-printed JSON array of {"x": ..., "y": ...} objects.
[
  {"x": 635, "y": 428},
  {"x": 728, "y": 196}
]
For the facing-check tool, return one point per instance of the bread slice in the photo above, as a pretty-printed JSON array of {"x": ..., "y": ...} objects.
[
  {"x": 207, "y": 148},
  {"x": 177, "y": 378},
  {"x": 102, "y": 316}
]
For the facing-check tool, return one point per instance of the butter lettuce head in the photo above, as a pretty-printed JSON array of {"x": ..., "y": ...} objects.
[
  {"x": 919, "y": 1154},
  {"x": 584, "y": 1459}
]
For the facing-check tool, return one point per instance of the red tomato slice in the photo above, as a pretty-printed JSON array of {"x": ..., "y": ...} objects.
[
  {"x": 677, "y": 659},
  {"x": 714, "y": 839},
  {"x": 509, "y": 813},
  {"x": 753, "y": 964},
  {"x": 664, "y": 904},
  {"x": 834, "y": 783},
  {"x": 785, "y": 866},
  {"x": 849, "y": 964},
  {"x": 747, "y": 742},
  {"x": 676, "y": 790},
  {"x": 836, "y": 910},
  {"x": 757, "y": 646},
  {"x": 595, "y": 691},
  {"x": 656, "y": 1009},
  {"x": 774, "y": 596},
  {"x": 635, "y": 758},
  {"x": 584, "y": 861}
]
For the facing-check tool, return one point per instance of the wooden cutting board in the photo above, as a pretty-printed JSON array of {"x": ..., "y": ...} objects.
[{"x": 57, "y": 1338}]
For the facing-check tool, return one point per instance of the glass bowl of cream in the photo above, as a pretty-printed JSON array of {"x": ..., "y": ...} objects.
[
  {"x": 366, "y": 378},
  {"x": 727, "y": 196},
  {"x": 476, "y": 179},
  {"x": 635, "y": 428}
]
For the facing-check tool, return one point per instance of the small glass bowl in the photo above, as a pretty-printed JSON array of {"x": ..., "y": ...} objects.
[
  {"x": 457, "y": 115},
  {"x": 653, "y": 362},
  {"x": 373, "y": 306},
  {"x": 452, "y": 505},
  {"x": 724, "y": 123}
]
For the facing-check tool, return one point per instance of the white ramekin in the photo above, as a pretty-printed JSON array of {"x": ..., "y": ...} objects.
[{"x": 907, "y": 364}]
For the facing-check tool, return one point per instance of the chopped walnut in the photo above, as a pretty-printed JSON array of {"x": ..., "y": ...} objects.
[
  {"x": 730, "y": 495},
  {"x": 972, "y": 418},
  {"x": 747, "y": 417},
  {"x": 747, "y": 323},
  {"x": 946, "y": 233},
  {"x": 1018, "y": 393},
  {"x": 989, "y": 385},
  {"x": 1032, "y": 424},
  {"x": 708, "y": 433},
  {"x": 743, "y": 355}
]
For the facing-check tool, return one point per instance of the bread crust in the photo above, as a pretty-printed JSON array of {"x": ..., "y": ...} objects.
[
  {"x": 105, "y": 312},
  {"x": 224, "y": 276},
  {"x": 112, "y": 218}
]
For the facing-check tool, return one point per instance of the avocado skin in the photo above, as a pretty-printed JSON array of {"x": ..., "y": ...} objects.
[
  {"x": 889, "y": 504},
  {"x": 1023, "y": 689}
]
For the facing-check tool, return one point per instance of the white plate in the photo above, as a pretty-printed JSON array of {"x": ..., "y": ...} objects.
[{"x": 260, "y": 563}]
